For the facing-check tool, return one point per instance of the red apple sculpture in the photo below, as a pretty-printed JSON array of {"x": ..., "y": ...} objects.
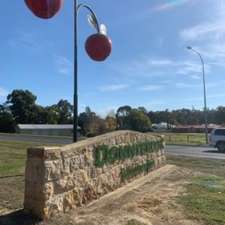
[
  {"x": 44, "y": 9},
  {"x": 98, "y": 46}
]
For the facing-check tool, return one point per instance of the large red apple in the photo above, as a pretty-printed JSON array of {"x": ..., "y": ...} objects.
[
  {"x": 98, "y": 46},
  {"x": 44, "y": 9}
]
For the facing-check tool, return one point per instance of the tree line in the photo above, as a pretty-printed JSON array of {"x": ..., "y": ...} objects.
[
  {"x": 189, "y": 116},
  {"x": 21, "y": 108}
]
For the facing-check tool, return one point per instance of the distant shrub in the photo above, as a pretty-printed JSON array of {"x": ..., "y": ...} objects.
[{"x": 7, "y": 123}]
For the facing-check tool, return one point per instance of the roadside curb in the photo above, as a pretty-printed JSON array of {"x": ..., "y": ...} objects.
[{"x": 185, "y": 145}]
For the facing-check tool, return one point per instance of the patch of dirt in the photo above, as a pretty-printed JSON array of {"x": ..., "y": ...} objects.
[
  {"x": 11, "y": 194},
  {"x": 149, "y": 200}
]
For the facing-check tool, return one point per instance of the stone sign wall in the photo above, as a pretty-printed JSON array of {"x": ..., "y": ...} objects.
[{"x": 58, "y": 179}]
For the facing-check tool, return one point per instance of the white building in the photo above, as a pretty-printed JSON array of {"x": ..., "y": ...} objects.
[
  {"x": 46, "y": 129},
  {"x": 162, "y": 126}
]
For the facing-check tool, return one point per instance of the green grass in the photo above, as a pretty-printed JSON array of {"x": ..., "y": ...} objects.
[
  {"x": 12, "y": 164},
  {"x": 12, "y": 157},
  {"x": 205, "y": 200},
  {"x": 184, "y": 138},
  {"x": 207, "y": 166}
]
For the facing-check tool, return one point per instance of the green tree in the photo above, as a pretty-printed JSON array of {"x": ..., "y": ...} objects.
[
  {"x": 51, "y": 114},
  {"x": 110, "y": 123},
  {"x": 62, "y": 112},
  {"x": 122, "y": 115},
  {"x": 91, "y": 124},
  {"x": 22, "y": 106},
  {"x": 7, "y": 122},
  {"x": 83, "y": 119},
  {"x": 139, "y": 121},
  {"x": 143, "y": 109},
  {"x": 220, "y": 115}
]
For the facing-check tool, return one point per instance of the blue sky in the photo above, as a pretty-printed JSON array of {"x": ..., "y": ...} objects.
[{"x": 149, "y": 65}]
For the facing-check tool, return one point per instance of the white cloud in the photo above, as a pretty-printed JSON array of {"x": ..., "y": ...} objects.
[
  {"x": 211, "y": 29},
  {"x": 64, "y": 65},
  {"x": 190, "y": 67},
  {"x": 150, "y": 67},
  {"x": 198, "y": 85},
  {"x": 160, "y": 62},
  {"x": 204, "y": 31},
  {"x": 187, "y": 85},
  {"x": 158, "y": 104},
  {"x": 170, "y": 5},
  {"x": 209, "y": 96},
  {"x": 107, "y": 111},
  {"x": 113, "y": 87},
  {"x": 152, "y": 87},
  {"x": 25, "y": 39},
  {"x": 208, "y": 38},
  {"x": 3, "y": 92},
  {"x": 214, "y": 52}
]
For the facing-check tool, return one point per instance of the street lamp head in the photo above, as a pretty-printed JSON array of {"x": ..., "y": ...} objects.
[
  {"x": 189, "y": 47},
  {"x": 44, "y": 9}
]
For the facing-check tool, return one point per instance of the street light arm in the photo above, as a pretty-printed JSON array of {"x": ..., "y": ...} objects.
[
  {"x": 81, "y": 5},
  {"x": 198, "y": 53}
]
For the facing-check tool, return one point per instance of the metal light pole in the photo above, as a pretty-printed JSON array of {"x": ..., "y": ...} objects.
[
  {"x": 204, "y": 87},
  {"x": 97, "y": 26},
  {"x": 75, "y": 96},
  {"x": 98, "y": 46}
]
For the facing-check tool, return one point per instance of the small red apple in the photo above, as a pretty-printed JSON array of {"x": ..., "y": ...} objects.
[
  {"x": 44, "y": 9},
  {"x": 98, "y": 46}
]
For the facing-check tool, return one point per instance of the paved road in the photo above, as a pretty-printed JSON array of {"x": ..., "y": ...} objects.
[{"x": 199, "y": 152}]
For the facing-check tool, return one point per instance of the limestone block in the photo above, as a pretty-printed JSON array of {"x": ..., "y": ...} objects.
[
  {"x": 69, "y": 201},
  {"x": 81, "y": 177},
  {"x": 159, "y": 161},
  {"x": 34, "y": 171},
  {"x": 77, "y": 162},
  {"x": 93, "y": 172},
  {"x": 65, "y": 169},
  {"x": 89, "y": 194},
  {"x": 164, "y": 159},
  {"x": 48, "y": 191},
  {"x": 54, "y": 206},
  {"x": 64, "y": 184},
  {"x": 159, "y": 153},
  {"x": 52, "y": 153},
  {"x": 52, "y": 170},
  {"x": 99, "y": 171},
  {"x": 156, "y": 162}
]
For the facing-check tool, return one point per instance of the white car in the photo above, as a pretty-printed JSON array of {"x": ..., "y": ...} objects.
[{"x": 217, "y": 139}]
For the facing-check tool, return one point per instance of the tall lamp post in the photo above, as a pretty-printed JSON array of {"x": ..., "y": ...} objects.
[
  {"x": 204, "y": 87},
  {"x": 98, "y": 46}
]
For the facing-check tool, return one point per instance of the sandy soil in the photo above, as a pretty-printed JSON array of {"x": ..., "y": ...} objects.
[
  {"x": 11, "y": 194},
  {"x": 149, "y": 200}
]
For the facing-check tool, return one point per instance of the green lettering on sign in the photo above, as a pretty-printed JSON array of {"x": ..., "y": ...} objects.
[
  {"x": 104, "y": 154},
  {"x": 133, "y": 171}
]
